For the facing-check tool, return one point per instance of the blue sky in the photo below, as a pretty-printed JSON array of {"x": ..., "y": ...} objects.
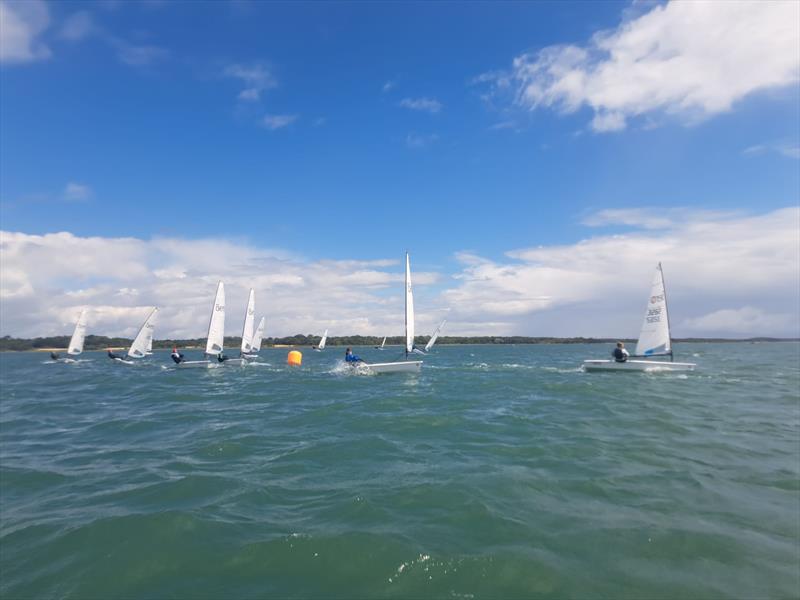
[{"x": 355, "y": 131}]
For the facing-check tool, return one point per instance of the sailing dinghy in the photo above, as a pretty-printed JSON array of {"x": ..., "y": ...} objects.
[
  {"x": 247, "y": 333},
  {"x": 383, "y": 343},
  {"x": 322, "y": 342},
  {"x": 406, "y": 366},
  {"x": 142, "y": 340},
  {"x": 435, "y": 336},
  {"x": 76, "y": 341},
  {"x": 256, "y": 345},
  {"x": 654, "y": 339},
  {"x": 216, "y": 333}
]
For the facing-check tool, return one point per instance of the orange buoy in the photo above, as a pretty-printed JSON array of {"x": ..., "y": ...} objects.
[{"x": 295, "y": 358}]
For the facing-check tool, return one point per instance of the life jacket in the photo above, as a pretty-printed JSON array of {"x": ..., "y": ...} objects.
[{"x": 619, "y": 355}]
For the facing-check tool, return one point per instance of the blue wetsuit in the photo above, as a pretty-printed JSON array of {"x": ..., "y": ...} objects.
[{"x": 351, "y": 358}]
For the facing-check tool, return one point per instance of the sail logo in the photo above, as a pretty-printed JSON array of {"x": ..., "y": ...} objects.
[{"x": 655, "y": 299}]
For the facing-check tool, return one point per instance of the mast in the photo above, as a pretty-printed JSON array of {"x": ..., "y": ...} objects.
[
  {"x": 666, "y": 304},
  {"x": 406, "y": 304}
]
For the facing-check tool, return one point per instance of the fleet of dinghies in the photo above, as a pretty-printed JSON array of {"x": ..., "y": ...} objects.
[{"x": 654, "y": 339}]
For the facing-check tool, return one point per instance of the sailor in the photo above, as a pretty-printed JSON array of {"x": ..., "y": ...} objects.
[
  {"x": 351, "y": 358},
  {"x": 176, "y": 356},
  {"x": 619, "y": 353},
  {"x": 112, "y": 355},
  {"x": 221, "y": 357},
  {"x": 54, "y": 355}
]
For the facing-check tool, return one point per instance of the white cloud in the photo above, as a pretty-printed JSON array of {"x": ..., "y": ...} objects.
[
  {"x": 47, "y": 279},
  {"x": 274, "y": 122},
  {"x": 430, "y": 105},
  {"x": 420, "y": 140},
  {"x": 694, "y": 59},
  {"x": 742, "y": 321},
  {"x": 21, "y": 25},
  {"x": 138, "y": 56},
  {"x": 77, "y": 191},
  {"x": 597, "y": 286},
  {"x": 787, "y": 150},
  {"x": 257, "y": 78},
  {"x": 388, "y": 86},
  {"x": 77, "y": 26}
]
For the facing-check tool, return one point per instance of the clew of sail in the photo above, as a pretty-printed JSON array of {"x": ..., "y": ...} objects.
[
  {"x": 216, "y": 325},
  {"x": 144, "y": 338},
  {"x": 323, "y": 341},
  {"x": 409, "y": 309},
  {"x": 76, "y": 341},
  {"x": 654, "y": 339},
  {"x": 247, "y": 328},
  {"x": 256, "y": 346},
  {"x": 435, "y": 335}
]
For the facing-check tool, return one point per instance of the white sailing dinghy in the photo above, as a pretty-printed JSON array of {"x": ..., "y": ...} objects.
[
  {"x": 654, "y": 339},
  {"x": 406, "y": 366},
  {"x": 435, "y": 336},
  {"x": 216, "y": 333},
  {"x": 247, "y": 333},
  {"x": 321, "y": 346},
  {"x": 142, "y": 340},
  {"x": 76, "y": 341},
  {"x": 256, "y": 345},
  {"x": 383, "y": 343}
]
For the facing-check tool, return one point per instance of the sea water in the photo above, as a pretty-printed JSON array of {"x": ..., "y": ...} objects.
[{"x": 498, "y": 471}]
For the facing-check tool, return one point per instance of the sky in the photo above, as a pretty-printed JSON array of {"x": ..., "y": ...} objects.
[{"x": 537, "y": 160}]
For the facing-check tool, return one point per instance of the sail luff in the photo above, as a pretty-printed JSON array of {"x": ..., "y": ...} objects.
[
  {"x": 216, "y": 324},
  {"x": 409, "y": 308},
  {"x": 144, "y": 337},
  {"x": 247, "y": 327},
  {"x": 78, "y": 335}
]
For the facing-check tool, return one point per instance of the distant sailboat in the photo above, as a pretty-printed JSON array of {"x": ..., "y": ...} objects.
[
  {"x": 435, "y": 336},
  {"x": 654, "y": 338},
  {"x": 76, "y": 341},
  {"x": 407, "y": 366},
  {"x": 321, "y": 346},
  {"x": 247, "y": 332},
  {"x": 142, "y": 340},
  {"x": 256, "y": 345},
  {"x": 383, "y": 343},
  {"x": 216, "y": 332}
]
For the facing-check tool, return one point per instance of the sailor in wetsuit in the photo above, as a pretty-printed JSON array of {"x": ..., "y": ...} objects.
[
  {"x": 221, "y": 357},
  {"x": 54, "y": 355},
  {"x": 619, "y": 353},
  {"x": 176, "y": 356},
  {"x": 112, "y": 355},
  {"x": 350, "y": 358}
]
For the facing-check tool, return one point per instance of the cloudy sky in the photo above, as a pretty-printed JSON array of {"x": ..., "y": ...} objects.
[{"x": 537, "y": 160}]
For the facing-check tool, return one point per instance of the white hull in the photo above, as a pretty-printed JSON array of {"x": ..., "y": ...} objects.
[
  {"x": 408, "y": 366},
  {"x": 250, "y": 356},
  {"x": 196, "y": 364},
  {"x": 123, "y": 361},
  {"x": 654, "y": 366},
  {"x": 234, "y": 362}
]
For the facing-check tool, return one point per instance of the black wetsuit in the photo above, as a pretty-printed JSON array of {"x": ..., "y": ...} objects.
[
  {"x": 54, "y": 355},
  {"x": 112, "y": 355},
  {"x": 620, "y": 355},
  {"x": 177, "y": 357},
  {"x": 221, "y": 357}
]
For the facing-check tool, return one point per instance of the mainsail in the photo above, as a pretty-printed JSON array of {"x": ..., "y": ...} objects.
[
  {"x": 216, "y": 326},
  {"x": 256, "y": 346},
  {"x": 323, "y": 340},
  {"x": 409, "y": 309},
  {"x": 654, "y": 337},
  {"x": 144, "y": 339},
  {"x": 76, "y": 341},
  {"x": 247, "y": 328},
  {"x": 435, "y": 335}
]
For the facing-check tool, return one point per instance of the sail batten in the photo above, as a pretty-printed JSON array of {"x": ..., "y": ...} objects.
[
  {"x": 247, "y": 328},
  {"x": 78, "y": 335},
  {"x": 409, "y": 308},
  {"x": 144, "y": 339},
  {"x": 654, "y": 338},
  {"x": 216, "y": 325}
]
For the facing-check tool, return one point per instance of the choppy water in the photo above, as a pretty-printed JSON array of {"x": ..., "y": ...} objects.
[{"x": 498, "y": 472}]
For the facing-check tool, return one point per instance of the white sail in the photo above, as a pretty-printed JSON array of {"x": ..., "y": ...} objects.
[
  {"x": 383, "y": 343},
  {"x": 256, "y": 346},
  {"x": 654, "y": 337},
  {"x": 76, "y": 341},
  {"x": 324, "y": 339},
  {"x": 435, "y": 335},
  {"x": 216, "y": 325},
  {"x": 149, "y": 345},
  {"x": 144, "y": 338},
  {"x": 409, "y": 308},
  {"x": 247, "y": 328}
]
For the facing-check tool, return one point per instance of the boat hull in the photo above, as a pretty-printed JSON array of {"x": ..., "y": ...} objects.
[
  {"x": 195, "y": 364},
  {"x": 636, "y": 366},
  {"x": 234, "y": 362},
  {"x": 407, "y": 366}
]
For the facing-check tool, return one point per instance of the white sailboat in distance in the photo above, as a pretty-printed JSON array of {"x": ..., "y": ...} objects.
[
  {"x": 76, "y": 341},
  {"x": 383, "y": 343},
  {"x": 406, "y": 366},
  {"x": 216, "y": 333},
  {"x": 142, "y": 340},
  {"x": 247, "y": 333},
  {"x": 256, "y": 345},
  {"x": 435, "y": 336},
  {"x": 654, "y": 339},
  {"x": 321, "y": 346}
]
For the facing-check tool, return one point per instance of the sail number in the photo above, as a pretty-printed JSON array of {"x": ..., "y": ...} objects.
[
  {"x": 219, "y": 307},
  {"x": 654, "y": 299}
]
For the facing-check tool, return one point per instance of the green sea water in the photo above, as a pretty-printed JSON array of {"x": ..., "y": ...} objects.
[{"x": 498, "y": 472}]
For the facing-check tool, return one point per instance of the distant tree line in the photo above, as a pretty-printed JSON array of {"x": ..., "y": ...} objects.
[{"x": 100, "y": 342}]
